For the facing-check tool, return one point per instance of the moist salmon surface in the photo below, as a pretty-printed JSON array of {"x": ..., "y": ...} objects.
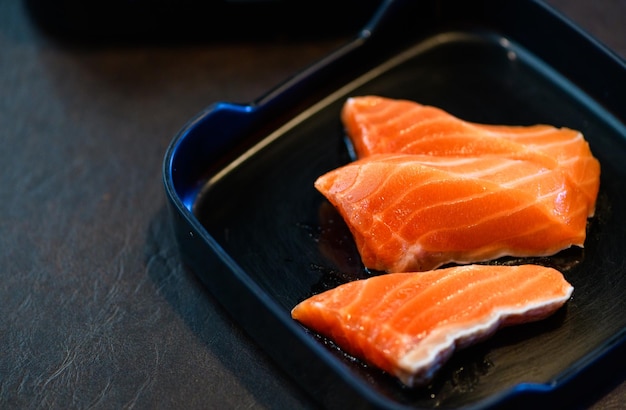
[
  {"x": 378, "y": 125},
  {"x": 411, "y": 213},
  {"x": 430, "y": 189},
  {"x": 408, "y": 324}
]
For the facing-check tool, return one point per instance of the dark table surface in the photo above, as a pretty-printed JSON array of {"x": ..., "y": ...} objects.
[{"x": 96, "y": 310}]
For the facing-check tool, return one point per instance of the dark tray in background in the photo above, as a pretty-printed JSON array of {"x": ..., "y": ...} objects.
[{"x": 249, "y": 223}]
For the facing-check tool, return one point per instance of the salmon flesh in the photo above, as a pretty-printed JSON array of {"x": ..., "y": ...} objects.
[
  {"x": 429, "y": 189},
  {"x": 409, "y": 324}
]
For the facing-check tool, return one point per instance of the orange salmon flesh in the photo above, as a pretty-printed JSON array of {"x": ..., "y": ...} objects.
[
  {"x": 430, "y": 189},
  {"x": 409, "y": 324}
]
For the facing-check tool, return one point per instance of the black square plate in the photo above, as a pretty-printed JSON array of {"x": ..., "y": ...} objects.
[{"x": 250, "y": 224}]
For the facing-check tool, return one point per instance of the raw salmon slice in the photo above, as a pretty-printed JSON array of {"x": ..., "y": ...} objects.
[
  {"x": 378, "y": 125},
  {"x": 409, "y": 324},
  {"x": 417, "y": 212}
]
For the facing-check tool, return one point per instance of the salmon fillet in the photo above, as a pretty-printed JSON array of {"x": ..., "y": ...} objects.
[
  {"x": 416, "y": 213},
  {"x": 430, "y": 189},
  {"x": 409, "y": 324},
  {"x": 378, "y": 125}
]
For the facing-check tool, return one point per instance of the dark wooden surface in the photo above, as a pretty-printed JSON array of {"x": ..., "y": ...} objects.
[{"x": 96, "y": 310}]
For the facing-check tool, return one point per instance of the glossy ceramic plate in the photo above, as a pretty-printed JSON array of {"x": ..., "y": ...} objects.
[{"x": 253, "y": 228}]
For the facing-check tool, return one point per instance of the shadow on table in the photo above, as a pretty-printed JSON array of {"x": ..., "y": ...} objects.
[{"x": 210, "y": 323}]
